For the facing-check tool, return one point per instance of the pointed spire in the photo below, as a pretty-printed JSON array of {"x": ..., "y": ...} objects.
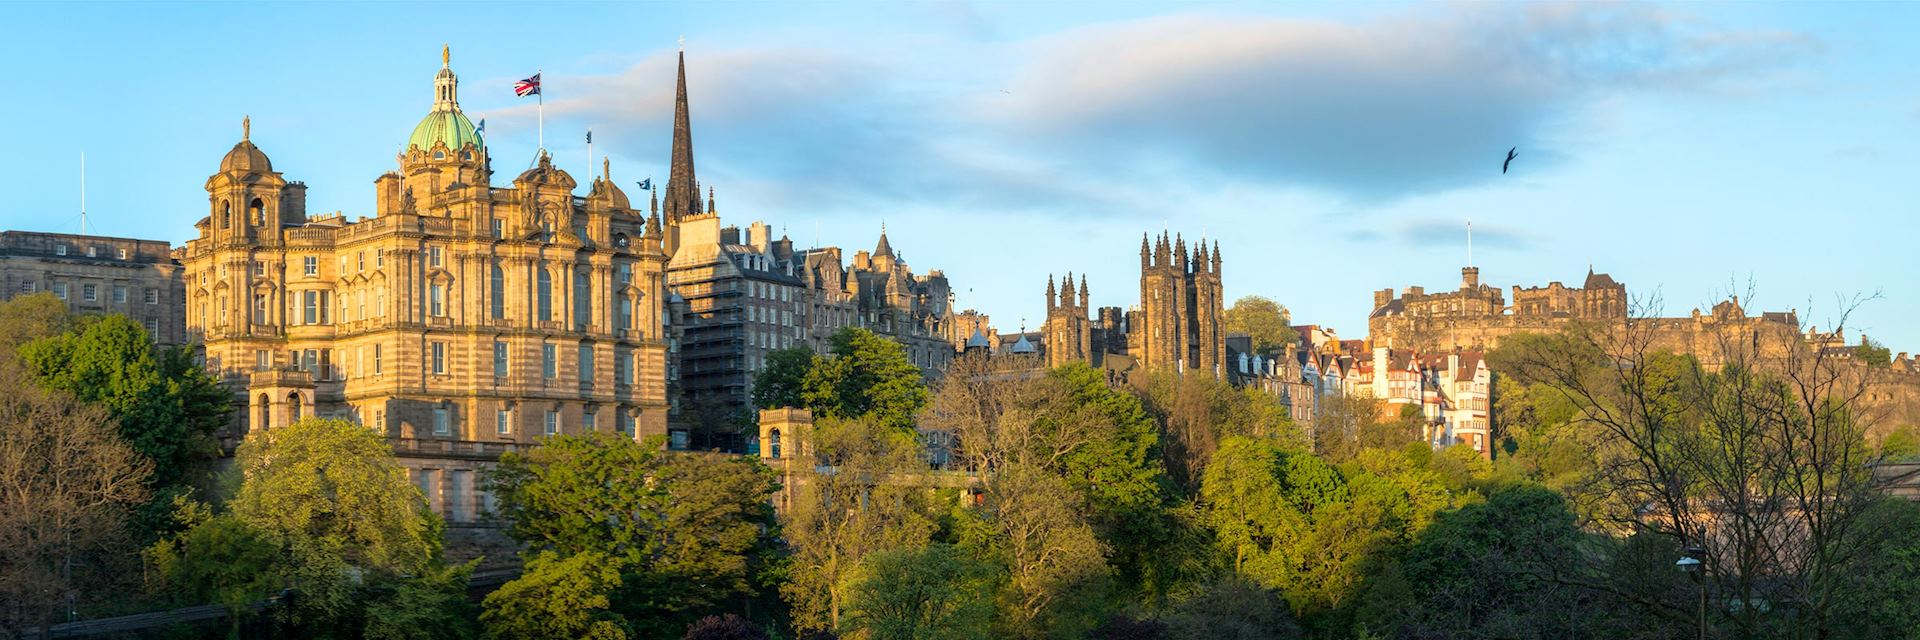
[
  {"x": 1052, "y": 294},
  {"x": 1216, "y": 257},
  {"x": 1066, "y": 291},
  {"x": 1083, "y": 291},
  {"x": 1145, "y": 253},
  {"x": 885, "y": 249},
  {"x": 709, "y": 199},
  {"x": 683, "y": 195}
]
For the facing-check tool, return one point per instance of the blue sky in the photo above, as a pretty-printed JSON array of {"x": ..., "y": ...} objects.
[{"x": 1687, "y": 149}]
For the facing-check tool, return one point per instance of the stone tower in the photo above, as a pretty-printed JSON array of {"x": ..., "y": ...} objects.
[
  {"x": 1068, "y": 335},
  {"x": 1178, "y": 323}
]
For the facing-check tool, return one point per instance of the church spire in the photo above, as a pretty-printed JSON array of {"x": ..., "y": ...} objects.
[{"x": 683, "y": 196}]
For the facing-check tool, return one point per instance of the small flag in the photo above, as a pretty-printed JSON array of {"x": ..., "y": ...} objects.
[
  {"x": 646, "y": 185},
  {"x": 527, "y": 87},
  {"x": 482, "y": 127},
  {"x": 589, "y": 136}
]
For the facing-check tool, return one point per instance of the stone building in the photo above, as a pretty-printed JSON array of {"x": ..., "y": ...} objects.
[
  {"x": 1477, "y": 316},
  {"x": 97, "y": 274},
  {"x": 462, "y": 320},
  {"x": 1177, "y": 326}
]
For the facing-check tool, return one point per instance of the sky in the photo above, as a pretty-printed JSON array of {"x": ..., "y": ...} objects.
[{"x": 1690, "y": 150}]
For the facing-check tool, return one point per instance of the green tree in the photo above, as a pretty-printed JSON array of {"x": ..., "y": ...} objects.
[
  {"x": 1267, "y": 322},
  {"x": 1876, "y": 598},
  {"x": 558, "y": 597},
  {"x": 935, "y": 592},
  {"x": 685, "y": 531},
  {"x": 866, "y": 375},
  {"x": 214, "y": 560},
  {"x": 167, "y": 407},
  {"x": 1231, "y": 609},
  {"x": 30, "y": 317},
  {"x": 333, "y": 497},
  {"x": 1872, "y": 353},
  {"x": 782, "y": 382},
  {"x": 856, "y": 497}
]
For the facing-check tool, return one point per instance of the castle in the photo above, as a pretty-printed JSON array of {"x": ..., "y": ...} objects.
[{"x": 1477, "y": 316}]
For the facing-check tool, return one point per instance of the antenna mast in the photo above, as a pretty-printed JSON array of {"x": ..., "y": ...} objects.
[
  {"x": 83, "y": 193},
  {"x": 1469, "y": 242}
]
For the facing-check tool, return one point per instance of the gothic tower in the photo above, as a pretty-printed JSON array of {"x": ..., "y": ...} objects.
[
  {"x": 1178, "y": 324},
  {"x": 1066, "y": 331},
  {"x": 683, "y": 189}
]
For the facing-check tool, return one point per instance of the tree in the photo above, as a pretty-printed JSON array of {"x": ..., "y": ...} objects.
[
  {"x": 333, "y": 497},
  {"x": 1344, "y": 424},
  {"x": 66, "y": 484},
  {"x": 558, "y": 597},
  {"x": 214, "y": 560},
  {"x": 1196, "y": 412},
  {"x": 724, "y": 627},
  {"x": 1875, "y": 599},
  {"x": 782, "y": 382},
  {"x": 936, "y": 592},
  {"x": 166, "y": 406},
  {"x": 1267, "y": 322},
  {"x": 1057, "y": 575},
  {"x": 866, "y": 375},
  {"x": 857, "y": 498},
  {"x": 685, "y": 531},
  {"x": 30, "y": 317},
  {"x": 1231, "y": 609},
  {"x": 1873, "y": 354},
  {"x": 1751, "y": 447}
]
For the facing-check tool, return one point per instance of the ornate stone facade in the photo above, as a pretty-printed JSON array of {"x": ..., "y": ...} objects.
[
  {"x": 1178, "y": 325},
  {"x": 462, "y": 320},
  {"x": 98, "y": 274}
]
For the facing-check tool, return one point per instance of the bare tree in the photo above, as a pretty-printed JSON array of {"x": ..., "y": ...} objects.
[
  {"x": 1731, "y": 434},
  {"x": 66, "y": 483}
]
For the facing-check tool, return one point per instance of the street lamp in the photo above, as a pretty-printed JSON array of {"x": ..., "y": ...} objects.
[{"x": 1691, "y": 564}]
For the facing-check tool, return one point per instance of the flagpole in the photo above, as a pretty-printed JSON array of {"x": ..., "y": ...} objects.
[
  {"x": 83, "y": 193},
  {"x": 542, "y": 97}
]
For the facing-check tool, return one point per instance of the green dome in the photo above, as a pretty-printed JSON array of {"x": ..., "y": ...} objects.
[{"x": 446, "y": 126}]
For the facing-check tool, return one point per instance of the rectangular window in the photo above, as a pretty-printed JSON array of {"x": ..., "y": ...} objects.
[
  {"x": 310, "y": 265},
  {"x": 586, "y": 421},
  {"x": 259, "y": 268},
  {"x": 262, "y": 359},
  {"x": 153, "y": 296},
  {"x": 89, "y": 292},
  {"x": 380, "y": 302},
  {"x": 623, "y": 422},
  {"x": 326, "y": 306},
  {"x": 499, "y": 359},
  {"x": 153, "y": 328},
  {"x": 439, "y": 358},
  {"x": 379, "y": 258},
  {"x": 60, "y": 290},
  {"x": 553, "y": 422},
  {"x": 60, "y": 250},
  {"x": 360, "y": 261},
  {"x": 502, "y": 422},
  {"x": 620, "y": 369},
  {"x": 310, "y": 307},
  {"x": 29, "y": 286},
  {"x": 442, "y": 421},
  {"x": 433, "y": 256},
  {"x": 624, "y": 320},
  {"x": 376, "y": 359},
  {"x": 499, "y": 229},
  {"x": 380, "y": 419},
  {"x": 582, "y": 300},
  {"x": 436, "y": 300},
  {"x": 548, "y": 366},
  {"x": 586, "y": 363},
  {"x": 624, "y": 273},
  {"x": 119, "y": 294}
]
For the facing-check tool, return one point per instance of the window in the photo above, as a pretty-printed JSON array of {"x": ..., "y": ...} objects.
[
  {"x": 362, "y": 300},
  {"x": 60, "y": 290},
  {"x": 433, "y": 257},
  {"x": 499, "y": 359},
  {"x": 260, "y": 308},
  {"x": 582, "y": 299},
  {"x": 545, "y": 291},
  {"x": 442, "y": 421},
  {"x": 436, "y": 300},
  {"x": 622, "y": 421},
  {"x": 259, "y": 268},
  {"x": 153, "y": 327},
  {"x": 93, "y": 252},
  {"x": 380, "y": 419},
  {"x": 499, "y": 287},
  {"x": 624, "y": 272},
  {"x": 502, "y": 422},
  {"x": 153, "y": 296},
  {"x": 586, "y": 421},
  {"x": 59, "y": 249},
  {"x": 499, "y": 229},
  {"x": 376, "y": 359},
  {"x": 29, "y": 286},
  {"x": 89, "y": 292},
  {"x": 360, "y": 261},
  {"x": 624, "y": 320},
  {"x": 553, "y": 422},
  {"x": 586, "y": 363},
  {"x": 123, "y": 254},
  {"x": 262, "y": 359},
  {"x": 620, "y": 369},
  {"x": 310, "y": 307},
  {"x": 439, "y": 358},
  {"x": 310, "y": 265},
  {"x": 379, "y": 258},
  {"x": 380, "y": 302},
  {"x": 547, "y": 364},
  {"x": 119, "y": 294}
]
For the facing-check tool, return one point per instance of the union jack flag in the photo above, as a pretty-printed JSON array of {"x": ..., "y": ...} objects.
[{"x": 527, "y": 87}]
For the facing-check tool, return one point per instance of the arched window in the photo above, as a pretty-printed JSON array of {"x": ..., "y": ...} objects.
[
  {"x": 545, "y": 291},
  {"x": 257, "y": 211},
  {"x": 774, "y": 447},
  {"x": 226, "y": 214},
  {"x": 266, "y": 413},
  {"x": 293, "y": 407},
  {"x": 499, "y": 292}
]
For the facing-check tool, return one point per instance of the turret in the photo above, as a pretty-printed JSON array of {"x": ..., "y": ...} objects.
[
  {"x": 1083, "y": 291},
  {"x": 1052, "y": 295},
  {"x": 1066, "y": 291},
  {"x": 1145, "y": 254}
]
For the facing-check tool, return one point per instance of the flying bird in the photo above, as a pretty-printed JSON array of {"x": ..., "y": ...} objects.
[{"x": 1509, "y": 162}]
